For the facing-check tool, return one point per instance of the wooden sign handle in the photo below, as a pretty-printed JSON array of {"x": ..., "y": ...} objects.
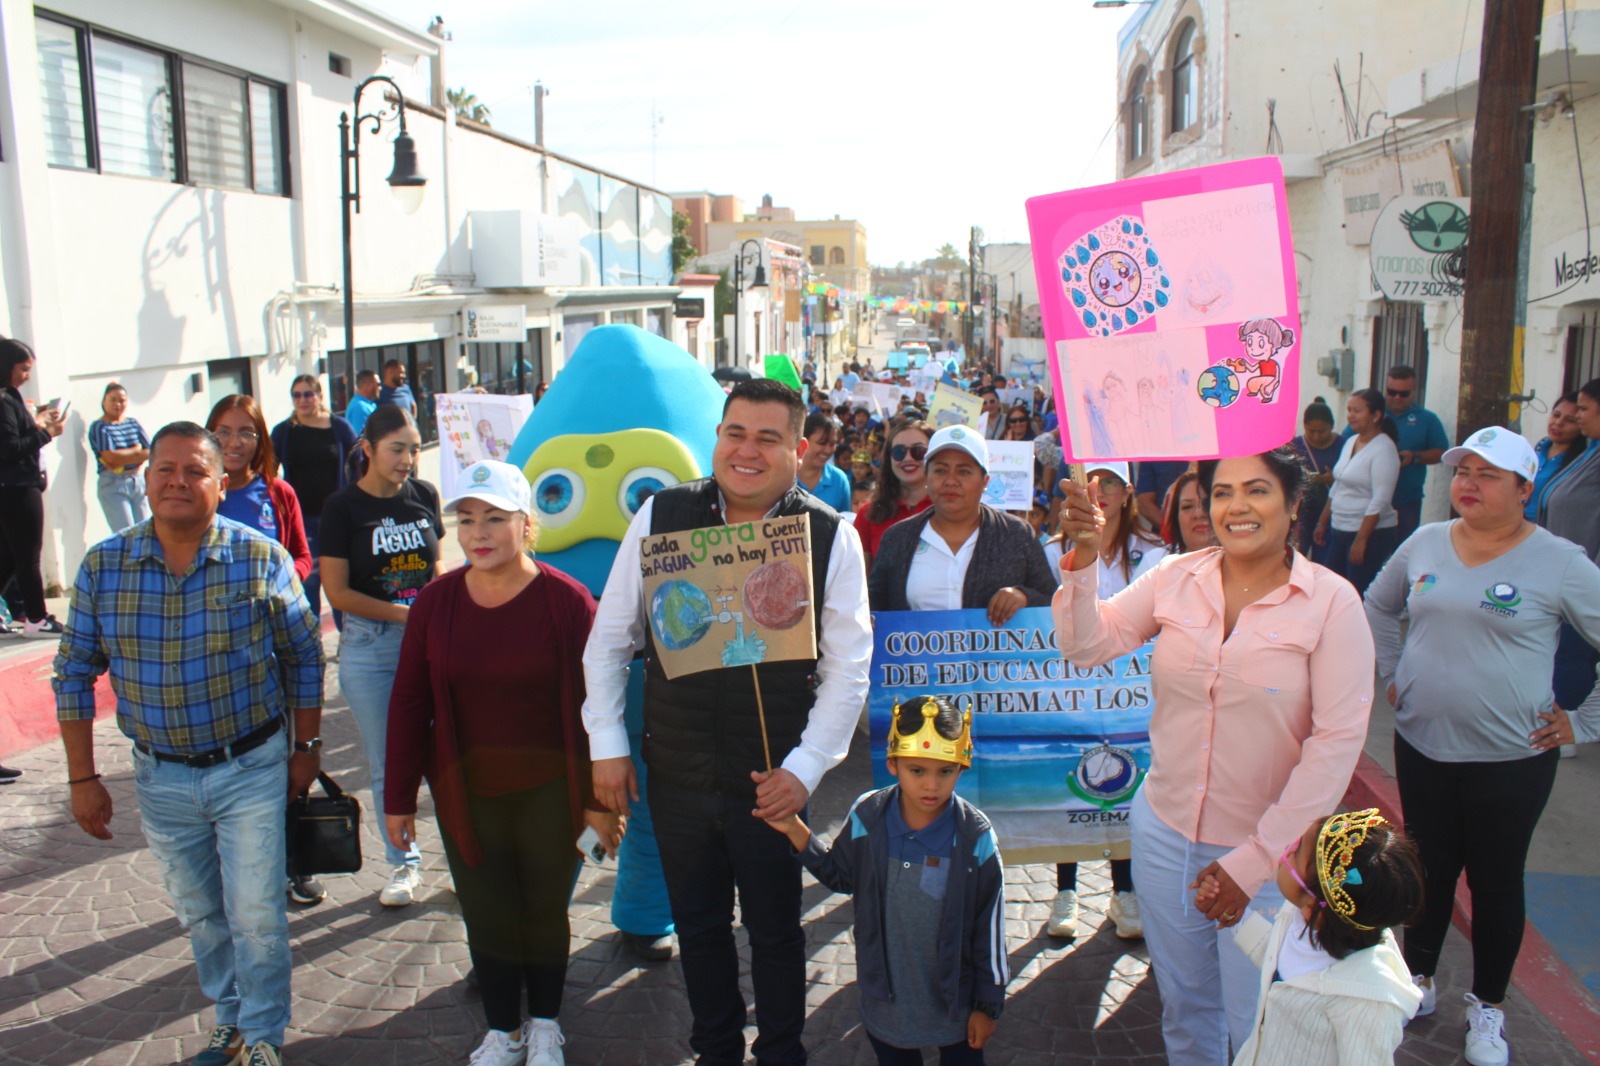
[{"x": 761, "y": 714}]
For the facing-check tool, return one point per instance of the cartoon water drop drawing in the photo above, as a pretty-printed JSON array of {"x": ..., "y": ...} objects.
[{"x": 1118, "y": 275}]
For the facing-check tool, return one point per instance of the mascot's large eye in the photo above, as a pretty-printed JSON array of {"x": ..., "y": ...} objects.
[
  {"x": 641, "y": 483},
  {"x": 558, "y": 496}
]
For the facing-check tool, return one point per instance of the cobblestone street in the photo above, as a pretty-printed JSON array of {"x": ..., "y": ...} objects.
[{"x": 95, "y": 969}]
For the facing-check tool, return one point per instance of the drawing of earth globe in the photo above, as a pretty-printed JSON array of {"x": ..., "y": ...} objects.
[
  {"x": 680, "y": 614},
  {"x": 1218, "y": 386}
]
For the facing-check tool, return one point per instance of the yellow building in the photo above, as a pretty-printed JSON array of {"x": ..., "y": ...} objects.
[{"x": 836, "y": 249}]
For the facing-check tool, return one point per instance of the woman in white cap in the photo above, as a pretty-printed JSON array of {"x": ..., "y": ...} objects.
[
  {"x": 1475, "y": 737},
  {"x": 960, "y": 552},
  {"x": 487, "y": 706},
  {"x": 1126, "y": 552}
]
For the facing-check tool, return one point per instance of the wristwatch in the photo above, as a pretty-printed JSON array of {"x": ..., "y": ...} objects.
[{"x": 310, "y": 747}]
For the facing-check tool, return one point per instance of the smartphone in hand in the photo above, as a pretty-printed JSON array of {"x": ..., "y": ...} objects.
[{"x": 591, "y": 847}]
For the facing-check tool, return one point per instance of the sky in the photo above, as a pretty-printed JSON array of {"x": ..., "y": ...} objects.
[{"x": 918, "y": 120}]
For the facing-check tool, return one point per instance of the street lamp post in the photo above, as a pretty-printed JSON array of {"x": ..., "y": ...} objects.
[
  {"x": 758, "y": 281},
  {"x": 405, "y": 179}
]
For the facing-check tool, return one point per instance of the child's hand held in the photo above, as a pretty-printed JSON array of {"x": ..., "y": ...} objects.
[{"x": 980, "y": 1027}]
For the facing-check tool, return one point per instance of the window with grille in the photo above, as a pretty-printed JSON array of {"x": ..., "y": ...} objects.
[
  {"x": 1400, "y": 338},
  {"x": 66, "y": 135},
  {"x": 1185, "y": 106},
  {"x": 1583, "y": 352},
  {"x": 122, "y": 107},
  {"x": 1137, "y": 136}
]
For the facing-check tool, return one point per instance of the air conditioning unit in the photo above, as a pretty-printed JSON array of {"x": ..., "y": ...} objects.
[{"x": 1339, "y": 367}]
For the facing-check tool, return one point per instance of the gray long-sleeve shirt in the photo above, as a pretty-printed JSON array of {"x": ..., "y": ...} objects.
[{"x": 1473, "y": 673}]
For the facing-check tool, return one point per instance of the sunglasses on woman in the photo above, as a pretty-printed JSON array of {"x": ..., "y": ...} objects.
[
  {"x": 918, "y": 452},
  {"x": 1016, "y": 421}
]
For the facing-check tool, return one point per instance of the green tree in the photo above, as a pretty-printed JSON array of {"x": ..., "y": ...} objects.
[
  {"x": 466, "y": 105},
  {"x": 683, "y": 249},
  {"x": 947, "y": 257}
]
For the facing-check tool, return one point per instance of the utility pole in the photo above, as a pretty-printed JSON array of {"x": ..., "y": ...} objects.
[
  {"x": 1491, "y": 334},
  {"x": 974, "y": 267}
]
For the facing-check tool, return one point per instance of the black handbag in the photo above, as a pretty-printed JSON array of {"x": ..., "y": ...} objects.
[{"x": 325, "y": 832}]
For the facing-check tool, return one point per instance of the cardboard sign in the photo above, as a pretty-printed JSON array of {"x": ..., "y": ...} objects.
[
  {"x": 474, "y": 426},
  {"x": 952, "y": 407},
  {"x": 1058, "y": 750},
  {"x": 1010, "y": 485},
  {"x": 1170, "y": 313},
  {"x": 1010, "y": 398},
  {"x": 730, "y": 595}
]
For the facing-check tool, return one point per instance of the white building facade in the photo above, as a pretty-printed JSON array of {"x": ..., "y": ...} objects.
[
  {"x": 1365, "y": 102},
  {"x": 170, "y": 219}
]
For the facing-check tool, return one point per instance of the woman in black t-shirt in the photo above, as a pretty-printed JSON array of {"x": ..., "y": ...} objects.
[
  {"x": 379, "y": 547},
  {"x": 312, "y": 447}
]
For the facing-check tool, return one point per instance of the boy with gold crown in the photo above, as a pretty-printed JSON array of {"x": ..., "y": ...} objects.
[
  {"x": 924, "y": 868},
  {"x": 1335, "y": 990}
]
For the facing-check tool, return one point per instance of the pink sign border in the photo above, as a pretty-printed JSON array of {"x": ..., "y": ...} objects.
[{"x": 1057, "y": 220}]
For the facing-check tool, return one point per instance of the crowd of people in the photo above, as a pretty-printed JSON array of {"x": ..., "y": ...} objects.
[{"x": 1273, "y": 586}]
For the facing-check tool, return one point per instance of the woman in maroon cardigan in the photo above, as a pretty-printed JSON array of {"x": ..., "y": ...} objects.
[{"x": 486, "y": 706}]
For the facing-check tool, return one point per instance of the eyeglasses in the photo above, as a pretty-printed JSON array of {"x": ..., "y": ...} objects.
[
  {"x": 246, "y": 436},
  {"x": 1398, "y": 394},
  {"x": 918, "y": 452},
  {"x": 1016, "y": 421},
  {"x": 1287, "y": 858},
  {"x": 298, "y": 395}
]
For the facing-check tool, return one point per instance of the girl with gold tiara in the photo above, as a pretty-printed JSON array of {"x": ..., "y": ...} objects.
[{"x": 1335, "y": 990}]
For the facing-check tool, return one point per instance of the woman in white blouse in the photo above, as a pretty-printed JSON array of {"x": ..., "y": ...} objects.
[{"x": 1359, "y": 523}]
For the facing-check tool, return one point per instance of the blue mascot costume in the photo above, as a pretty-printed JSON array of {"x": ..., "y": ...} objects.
[{"x": 629, "y": 414}]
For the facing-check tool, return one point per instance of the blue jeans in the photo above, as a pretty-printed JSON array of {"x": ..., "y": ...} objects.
[
  {"x": 711, "y": 845},
  {"x": 368, "y": 655},
  {"x": 123, "y": 500},
  {"x": 218, "y": 834},
  {"x": 1208, "y": 986},
  {"x": 1380, "y": 545}
]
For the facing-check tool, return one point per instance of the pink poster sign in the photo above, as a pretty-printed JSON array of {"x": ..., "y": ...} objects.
[{"x": 1170, "y": 313}]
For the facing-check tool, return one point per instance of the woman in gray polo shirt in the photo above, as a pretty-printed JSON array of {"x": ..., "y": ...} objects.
[{"x": 1476, "y": 730}]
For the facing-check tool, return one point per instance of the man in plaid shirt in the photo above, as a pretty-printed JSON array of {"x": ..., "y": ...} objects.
[{"x": 211, "y": 646}]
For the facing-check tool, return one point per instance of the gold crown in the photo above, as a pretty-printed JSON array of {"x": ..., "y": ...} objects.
[
  {"x": 1337, "y": 842},
  {"x": 926, "y": 743}
]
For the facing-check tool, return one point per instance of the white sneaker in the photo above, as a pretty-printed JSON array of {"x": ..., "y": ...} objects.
[
  {"x": 402, "y": 887},
  {"x": 1124, "y": 910},
  {"x": 1486, "y": 1042},
  {"x": 1064, "y": 915},
  {"x": 500, "y": 1049},
  {"x": 544, "y": 1040},
  {"x": 1430, "y": 998}
]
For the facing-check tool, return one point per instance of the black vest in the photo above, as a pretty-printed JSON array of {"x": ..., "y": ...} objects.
[{"x": 701, "y": 731}]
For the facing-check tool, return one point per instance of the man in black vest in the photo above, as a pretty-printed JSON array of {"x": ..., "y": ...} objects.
[{"x": 709, "y": 790}]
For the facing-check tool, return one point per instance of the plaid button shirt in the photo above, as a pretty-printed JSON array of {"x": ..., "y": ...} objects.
[{"x": 196, "y": 661}]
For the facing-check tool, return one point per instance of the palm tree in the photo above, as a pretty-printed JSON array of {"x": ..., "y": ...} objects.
[{"x": 467, "y": 106}]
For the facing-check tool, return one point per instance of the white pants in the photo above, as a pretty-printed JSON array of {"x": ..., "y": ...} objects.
[{"x": 1208, "y": 986}]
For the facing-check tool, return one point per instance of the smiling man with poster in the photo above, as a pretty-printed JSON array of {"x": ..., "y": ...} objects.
[{"x": 709, "y": 786}]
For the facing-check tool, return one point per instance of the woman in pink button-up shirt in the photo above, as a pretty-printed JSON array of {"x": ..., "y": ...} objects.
[{"x": 1263, "y": 681}]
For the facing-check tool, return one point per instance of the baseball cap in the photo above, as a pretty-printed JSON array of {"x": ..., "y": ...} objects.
[
  {"x": 496, "y": 484},
  {"x": 963, "y": 437},
  {"x": 1500, "y": 447},
  {"x": 1115, "y": 467}
]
